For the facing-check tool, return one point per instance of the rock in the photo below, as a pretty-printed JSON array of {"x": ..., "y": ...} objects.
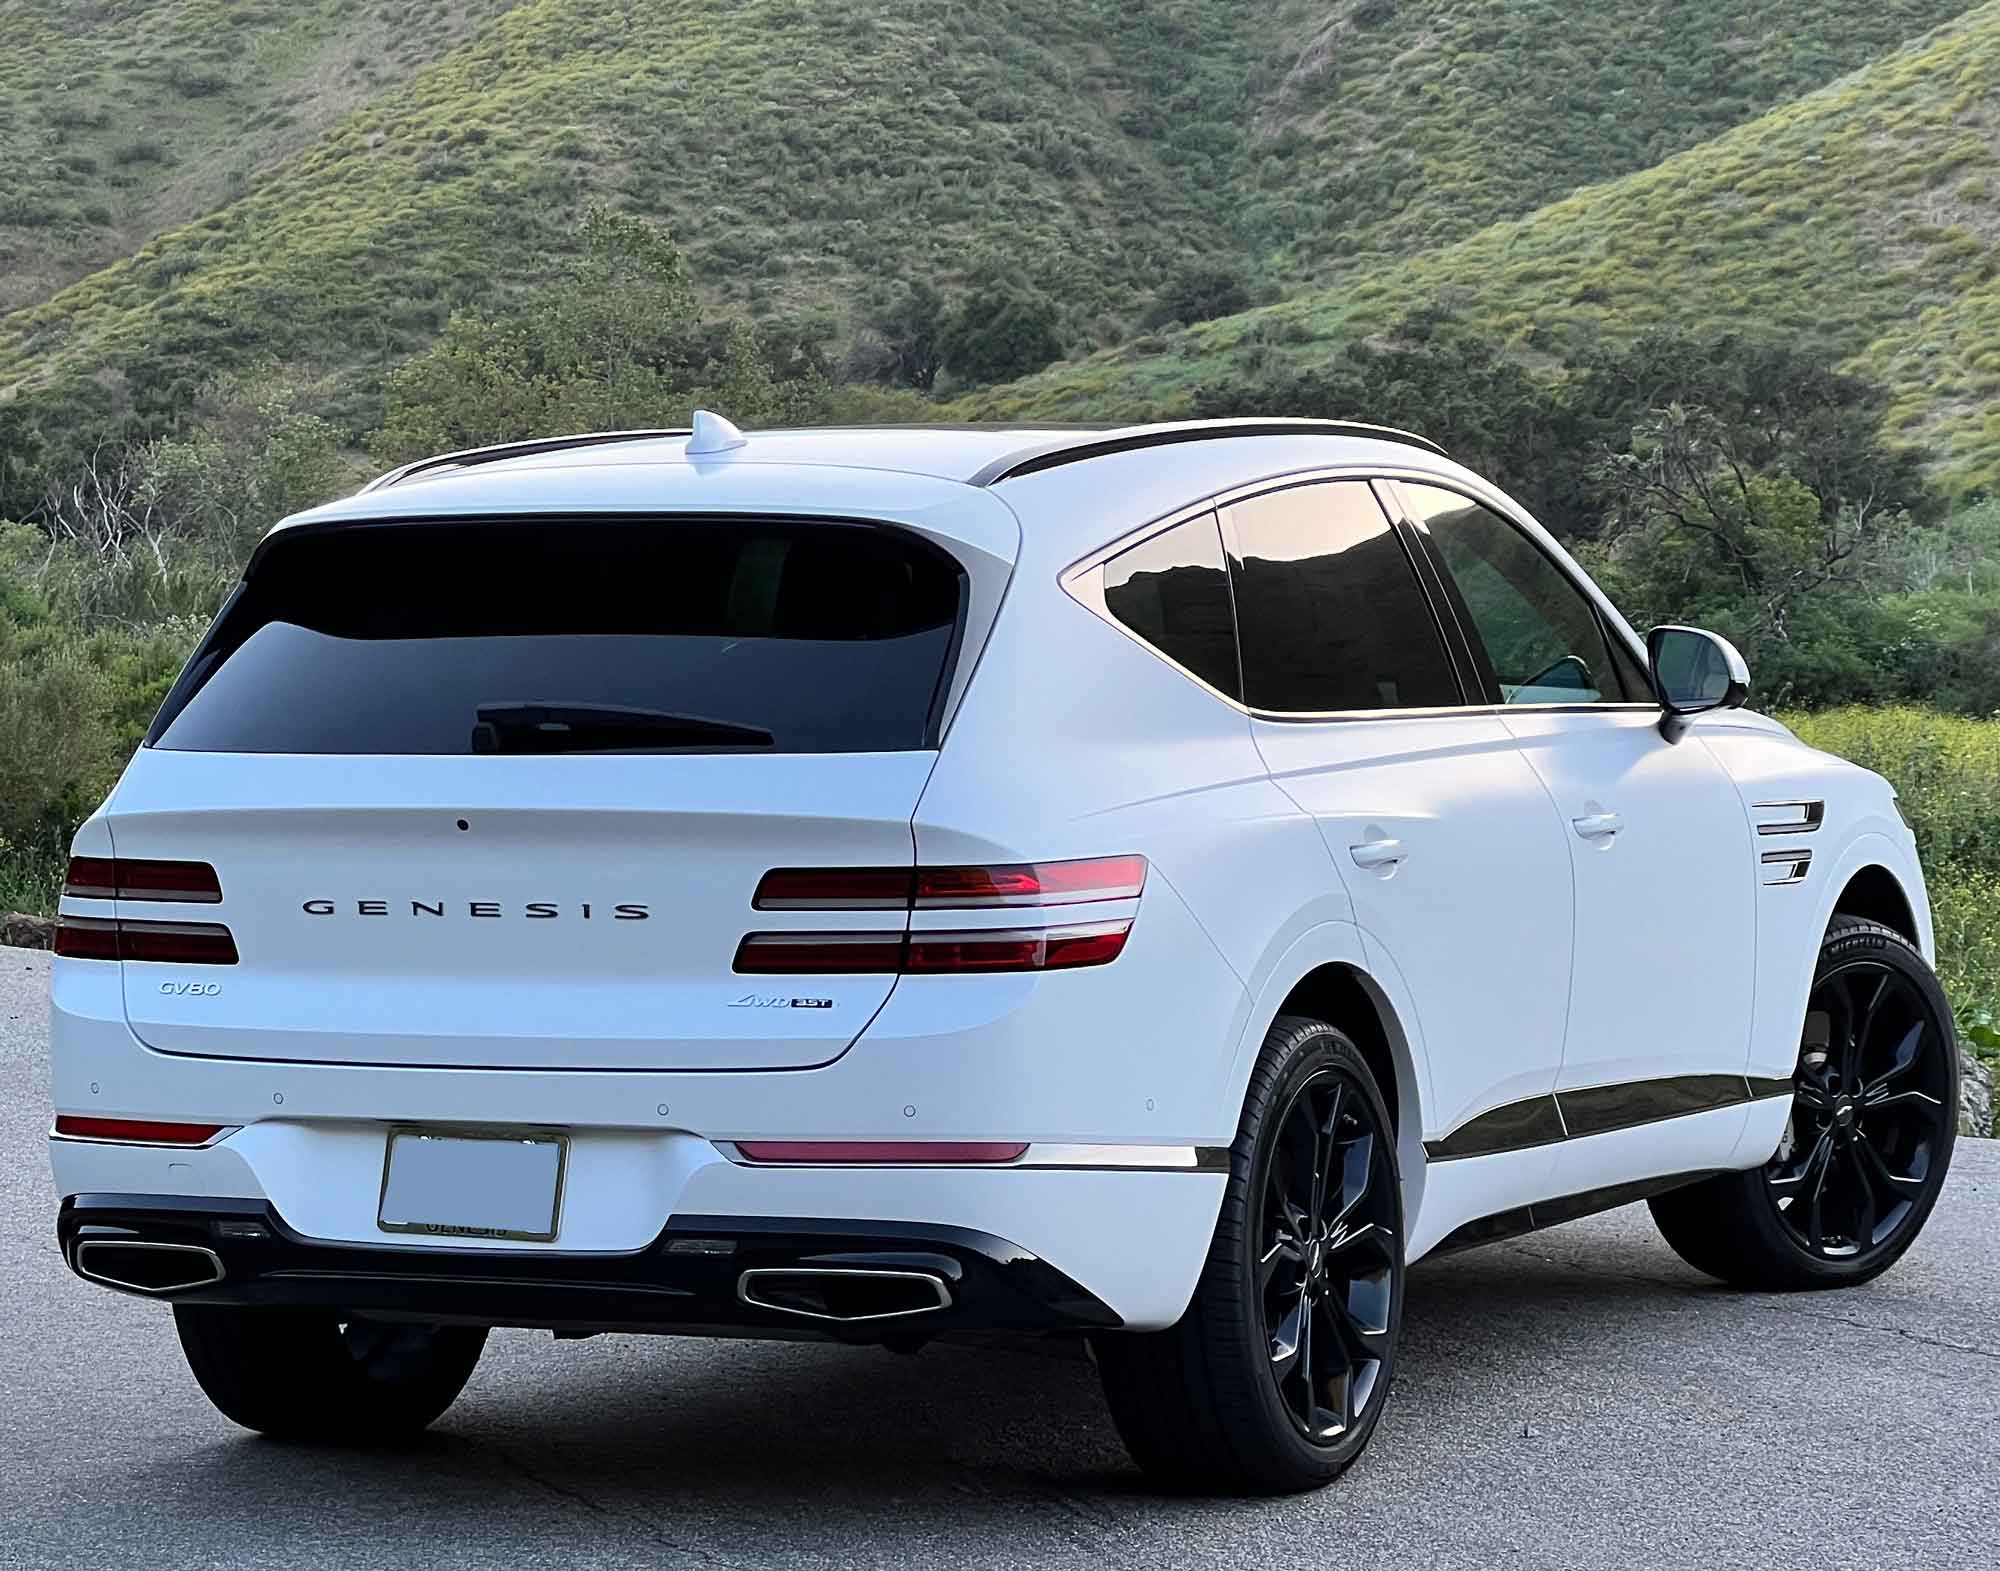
[
  {"x": 1975, "y": 1095},
  {"x": 28, "y": 932}
]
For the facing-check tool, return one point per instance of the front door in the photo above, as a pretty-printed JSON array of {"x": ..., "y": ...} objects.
[{"x": 1660, "y": 851}]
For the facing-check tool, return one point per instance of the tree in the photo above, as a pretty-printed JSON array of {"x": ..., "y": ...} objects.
[
  {"x": 1198, "y": 294},
  {"x": 618, "y": 341},
  {"x": 1000, "y": 330},
  {"x": 902, "y": 345}
]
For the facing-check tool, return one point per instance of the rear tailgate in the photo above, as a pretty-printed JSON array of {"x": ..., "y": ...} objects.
[{"x": 499, "y": 793}]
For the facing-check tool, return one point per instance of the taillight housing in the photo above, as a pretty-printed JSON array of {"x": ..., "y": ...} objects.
[
  {"x": 927, "y": 952},
  {"x": 126, "y": 878},
  {"x": 124, "y": 938},
  {"x": 951, "y": 888},
  {"x": 143, "y": 938}
]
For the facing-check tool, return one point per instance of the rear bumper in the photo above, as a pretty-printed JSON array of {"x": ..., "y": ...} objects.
[{"x": 701, "y": 1276}]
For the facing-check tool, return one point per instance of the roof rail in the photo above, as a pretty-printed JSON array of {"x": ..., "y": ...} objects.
[
  {"x": 467, "y": 457},
  {"x": 1076, "y": 446}
]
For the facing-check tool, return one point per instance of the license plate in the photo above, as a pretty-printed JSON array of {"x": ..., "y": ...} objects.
[{"x": 472, "y": 1184}]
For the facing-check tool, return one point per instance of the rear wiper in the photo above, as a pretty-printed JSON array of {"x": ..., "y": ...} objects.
[{"x": 600, "y": 728}]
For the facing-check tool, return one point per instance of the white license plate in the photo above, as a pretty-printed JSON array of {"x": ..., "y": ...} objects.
[{"x": 472, "y": 1184}]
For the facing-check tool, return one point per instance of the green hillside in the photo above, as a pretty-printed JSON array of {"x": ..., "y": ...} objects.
[
  {"x": 212, "y": 183},
  {"x": 800, "y": 149},
  {"x": 1861, "y": 219},
  {"x": 1401, "y": 125},
  {"x": 125, "y": 118}
]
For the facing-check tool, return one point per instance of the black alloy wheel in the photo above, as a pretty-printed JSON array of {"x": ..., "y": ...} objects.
[
  {"x": 1867, "y": 1138},
  {"x": 1869, "y": 1113},
  {"x": 1276, "y": 1377},
  {"x": 1326, "y": 1256}
]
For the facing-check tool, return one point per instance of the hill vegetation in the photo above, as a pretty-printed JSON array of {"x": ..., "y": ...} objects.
[
  {"x": 207, "y": 185},
  {"x": 1861, "y": 221}
]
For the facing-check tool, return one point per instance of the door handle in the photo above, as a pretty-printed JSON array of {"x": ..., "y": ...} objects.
[
  {"x": 1598, "y": 826},
  {"x": 1377, "y": 853}
]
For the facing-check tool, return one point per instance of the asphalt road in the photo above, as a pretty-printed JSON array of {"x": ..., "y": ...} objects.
[{"x": 1578, "y": 1398}]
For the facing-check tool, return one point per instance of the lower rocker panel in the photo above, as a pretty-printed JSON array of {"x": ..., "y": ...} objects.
[{"x": 1552, "y": 1213}]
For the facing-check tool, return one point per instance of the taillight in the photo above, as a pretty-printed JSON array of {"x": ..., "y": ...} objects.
[
  {"x": 1031, "y": 883},
  {"x": 881, "y": 1150},
  {"x": 176, "y": 943},
  {"x": 951, "y": 888},
  {"x": 1024, "y": 949},
  {"x": 123, "y": 878},
  {"x": 813, "y": 954},
  {"x": 932, "y": 954},
  {"x": 835, "y": 889},
  {"x": 137, "y": 1130}
]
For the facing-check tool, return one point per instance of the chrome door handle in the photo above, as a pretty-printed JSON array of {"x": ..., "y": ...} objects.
[
  {"x": 1377, "y": 853},
  {"x": 1598, "y": 826}
]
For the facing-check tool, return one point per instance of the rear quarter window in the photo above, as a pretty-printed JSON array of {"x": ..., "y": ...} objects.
[{"x": 577, "y": 635}]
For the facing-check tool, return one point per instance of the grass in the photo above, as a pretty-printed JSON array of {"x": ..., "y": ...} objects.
[{"x": 1858, "y": 219}]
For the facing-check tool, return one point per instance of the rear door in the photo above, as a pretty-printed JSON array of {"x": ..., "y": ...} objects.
[
  {"x": 1656, "y": 835},
  {"x": 500, "y": 793},
  {"x": 1441, "y": 833}
]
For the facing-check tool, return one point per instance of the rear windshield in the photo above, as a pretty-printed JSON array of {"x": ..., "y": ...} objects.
[{"x": 577, "y": 635}]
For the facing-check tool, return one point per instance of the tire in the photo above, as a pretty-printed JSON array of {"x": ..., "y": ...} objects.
[
  {"x": 1206, "y": 1406},
  {"x": 1869, "y": 1140},
  {"x": 304, "y": 1374}
]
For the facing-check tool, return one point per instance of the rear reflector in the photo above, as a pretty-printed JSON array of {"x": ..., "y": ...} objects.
[
  {"x": 881, "y": 1150},
  {"x": 138, "y": 1130},
  {"x": 951, "y": 888},
  {"x": 931, "y": 954},
  {"x": 121, "y": 878},
  {"x": 174, "y": 943}
]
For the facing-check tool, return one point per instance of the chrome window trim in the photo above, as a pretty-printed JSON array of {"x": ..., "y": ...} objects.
[{"x": 1079, "y": 583}]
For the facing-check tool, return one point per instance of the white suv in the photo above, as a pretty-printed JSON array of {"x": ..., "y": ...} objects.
[{"x": 1150, "y": 885}]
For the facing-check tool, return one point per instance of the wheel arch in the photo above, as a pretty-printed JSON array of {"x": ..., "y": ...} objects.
[
  {"x": 1325, "y": 975},
  {"x": 1874, "y": 893}
]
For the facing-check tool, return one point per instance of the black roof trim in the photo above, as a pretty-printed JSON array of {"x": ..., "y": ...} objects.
[
  {"x": 1075, "y": 448},
  {"x": 467, "y": 457}
]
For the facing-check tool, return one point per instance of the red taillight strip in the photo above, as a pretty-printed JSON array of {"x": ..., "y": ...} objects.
[
  {"x": 176, "y": 943},
  {"x": 818, "y": 954},
  {"x": 1019, "y": 949},
  {"x": 835, "y": 889},
  {"x": 136, "y": 1131},
  {"x": 122, "y": 878},
  {"x": 1031, "y": 883},
  {"x": 933, "y": 953},
  {"x": 951, "y": 888},
  {"x": 831, "y": 1151}
]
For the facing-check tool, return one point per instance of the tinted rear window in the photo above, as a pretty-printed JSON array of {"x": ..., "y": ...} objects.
[
  {"x": 1329, "y": 610},
  {"x": 578, "y": 635}
]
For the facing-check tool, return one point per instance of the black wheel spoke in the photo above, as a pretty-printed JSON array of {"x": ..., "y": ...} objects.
[
  {"x": 1921, "y": 1105},
  {"x": 1902, "y": 1061},
  {"x": 1883, "y": 1178},
  {"x": 1867, "y": 1208},
  {"x": 1284, "y": 1253}
]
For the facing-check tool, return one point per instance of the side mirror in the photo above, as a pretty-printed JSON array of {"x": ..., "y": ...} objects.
[{"x": 1694, "y": 671}]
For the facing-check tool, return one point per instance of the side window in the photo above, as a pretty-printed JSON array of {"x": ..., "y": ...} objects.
[
  {"x": 1540, "y": 633},
  {"x": 1329, "y": 610},
  {"x": 1173, "y": 591}
]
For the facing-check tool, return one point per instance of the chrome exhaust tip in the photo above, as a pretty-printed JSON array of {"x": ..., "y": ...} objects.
[
  {"x": 846, "y": 1294},
  {"x": 135, "y": 1266}
]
